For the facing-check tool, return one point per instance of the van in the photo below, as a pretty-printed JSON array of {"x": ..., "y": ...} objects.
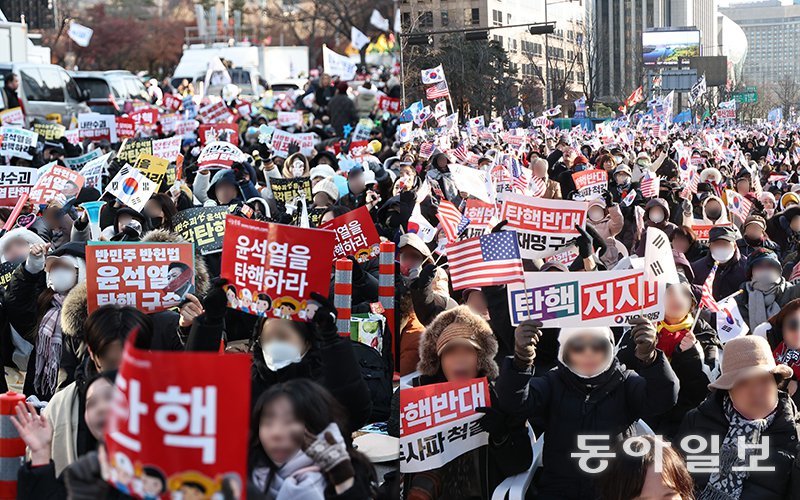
[
  {"x": 46, "y": 89},
  {"x": 108, "y": 90}
]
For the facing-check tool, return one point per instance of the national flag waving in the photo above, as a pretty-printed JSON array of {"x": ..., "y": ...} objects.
[
  {"x": 649, "y": 186},
  {"x": 697, "y": 90},
  {"x": 461, "y": 153},
  {"x": 738, "y": 204},
  {"x": 437, "y": 91},
  {"x": 538, "y": 186},
  {"x": 433, "y": 75},
  {"x": 707, "y": 299},
  {"x": 635, "y": 98},
  {"x": 451, "y": 220},
  {"x": 487, "y": 260},
  {"x": 730, "y": 323}
]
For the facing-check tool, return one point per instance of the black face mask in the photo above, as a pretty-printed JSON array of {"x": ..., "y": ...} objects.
[
  {"x": 753, "y": 242},
  {"x": 156, "y": 222}
]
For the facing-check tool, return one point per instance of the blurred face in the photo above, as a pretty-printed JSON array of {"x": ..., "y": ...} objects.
[
  {"x": 586, "y": 354},
  {"x": 110, "y": 359},
  {"x": 123, "y": 221},
  {"x": 324, "y": 80},
  {"x": 153, "y": 209},
  {"x": 283, "y": 331},
  {"x": 279, "y": 431},
  {"x": 795, "y": 224},
  {"x": 654, "y": 487},
  {"x": 322, "y": 200},
  {"x": 755, "y": 397},
  {"x": 459, "y": 362},
  {"x": 713, "y": 209},
  {"x": 769, "y": 203},
  {"x": 753, "y": 232},
  {"x": 791, "y": 330},
  {"x": 225, "y": 193},
  {"x": 357, "y": 185},
  {"x": 677, "y": 305},
  {"x": 98, "y": 403},
  {"x": 16, "y": 250},
  {"x": 12, "y": 82},
  {"x": 409, "y": 259},
  {"x": 680, "y": 244},
  {"x": 476, "y": 301},
  {"x": 540, "y": 169}
]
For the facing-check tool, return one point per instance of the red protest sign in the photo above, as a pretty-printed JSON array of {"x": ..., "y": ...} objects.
[
  {"x": 216, "y": 113},
  {"x": 145, "y": 118},
  {"x": 591, "y": 183},
  {"x": 151, "y": 277},
  {"x": 358, "y": 149},
  {"x": 126, "y": 127},
  {"x": 272, "y": 268},
  {"x": 172, "y": 102},
  {"x": 355, "y": 235},
  {"x": 210, "y": 132},
  {"x": 173, "y": 426},
  {"x": 54, "y": 182},
  {"x": 702, "y": 230},
  {"x": 389, "y": 104}
]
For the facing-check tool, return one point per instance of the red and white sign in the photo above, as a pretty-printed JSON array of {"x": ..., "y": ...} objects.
[
  {"x": 151, "y": 277},
  {"x": 56, "y": 181},
  {"x": 172, "y": 102},
  {"x": 126, "y": 127},
  {"x": 272, "y": 268},
  {"x": 702, "y": 230},
  {"x": 173, "y": 426},
  {"x": 282, "y": 140},
  {"x": 210, "y": 132},
  {"x": 355, "y": 235},
  {"x": 168, "y": 148},
  {"x": 290, "y": 118},
  {"x": 245, "y": 109},
  {"x": 591, "y": 183},
  {"x": 480, "y": 215},
  {"x": 216, "y": 113},
  {"x": 15, "y": 182},
  {"x": 97, "y": 127},
  {"x": 389, "y": 104},
  {"x": 219, "y": 154},
  {"x": 439, "y": 423},
  {"x": 145, "y": 119}
]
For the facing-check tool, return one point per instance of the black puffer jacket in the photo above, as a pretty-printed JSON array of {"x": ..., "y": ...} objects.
[{"x": 709, "y": 419}]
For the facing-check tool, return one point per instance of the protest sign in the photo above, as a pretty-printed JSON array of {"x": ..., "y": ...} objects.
[
  {"x": 702, "y": 230},
  {"x": 219, "y": 154},
  {"x": 94, "y": 170},
  {"x": 388, "y": 104},
  {"x": 573, "y": 299},
  {"x": 286, "y": 190},
  {"x": 481, "y": 217},
  {"x": 49, "y": 131},
  {"x": 14, "y": 182},
  {"x": 566, "y": 257},
  {"x": 97, "y": 127},
  {"x": 290, "y": 118},
  {"x": 131, "y": 187},
  {"x": 217, "y": 112},
  {"x": 145, "y": 118},
  {"x": 210, "y": 132},
  {"x": 13, "y": 116},
  {"x": 338, "y": 65},
  {"x": 131, "y": 149},
  {"x": 355, "y": 235},
  {"x": 174, "y": 427},
  {"x": 590, "y": 184},
  {"x": 6, "y": 271},
  {"x": 659, "y": 263},
  {"x": 151, "y": 277},
  {"x": 17, "y": 142},
  {"x": 172, "y": 102},
  {"x": 79, "y": 162},
  {"x": 152, "y": 167},
  {"x": 186, "y": 128},
  {"x": 272, "y": 268},
  {"x": 72, "y": 136},
  {"x": 203, "y": 226},
  {"x": 56, "y": 181},
  {"x": 282, "y": 140},
  {"x": 168, "y": 148},
  {"x": 439, "y": 422},
  {"x": 126, "y": 128},
  {"x": 544, "y": 227},
  {"x": 472, "y": 181}
]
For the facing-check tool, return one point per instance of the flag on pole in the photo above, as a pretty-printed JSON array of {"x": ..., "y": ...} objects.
[
  {"x": 451, "y": 219},
  {"x": 635, "y": 98},
  {"x": 358, "y": 38},
  {"x": 738, "y": 204},
  {"x": 730, "y": 323},
  {"x": 337, "y": 64},
  {"x": 433, "y": 75},
  {"x": 487, "y": 260},
  {"x": 80, "y": 34},
  {"x": 697, "y": 90},
  {"x": 437, "y": 91},
  {"x": 377, "y": 20},
  {"x": 707, "y": 299}
]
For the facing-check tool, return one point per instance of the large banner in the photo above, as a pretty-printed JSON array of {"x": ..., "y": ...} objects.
[
  {"x": 481, "y": 215},
  {"x": 272, "y": 268},
  {"x": 590, "y": 184},
  {"x": 14, "y": 182},
  {"x": 286, "y": 190},
  {"x": 574, "y": 299},
  {"x": 17, "y": 141},
  {"x": 355, "y": 235},
  {"x": 544, "y": 227},
  {"x": 282, "y": 140},
  {"x": 438, "y": 423},
  {"x": 56, "y": 181},
  {"x": 175, "y": 430},
  {"x": 151, "y": 277},
  {"x": 203, "y": 226}
]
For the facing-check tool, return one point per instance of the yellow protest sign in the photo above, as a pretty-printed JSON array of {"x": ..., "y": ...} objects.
[{"x": 152, "y": 167}]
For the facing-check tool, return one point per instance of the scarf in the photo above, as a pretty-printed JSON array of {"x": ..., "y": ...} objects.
[
  {"x": 48, "y": 349},
  {"x": 788, "y": 356},
  {"x": 297, "y": 479},
  {"x": 670, "y": 336},
  {"x": 726, "y": 483},
  {"x": 761, "y": 303}
]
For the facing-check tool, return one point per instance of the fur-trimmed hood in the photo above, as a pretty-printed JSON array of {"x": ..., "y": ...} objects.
[
  {"x": 428, "y": 359},
  {"x": 74, "y": 311},
  {"x": 202, "y": 280}
]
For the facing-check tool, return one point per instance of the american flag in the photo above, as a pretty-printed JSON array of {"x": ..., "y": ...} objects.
[
  {"x": 461, "y": 153},
  {"x": 538, "y": 186},
  {"x": 521, "y": 182},
  {"x": 707, "y": 299},
  {"x": 437, "y": 90},
  {"x": 650, "y": 186},
  {"x": 795, "y": 272},
  {"x": 426, "y": 149},
  {"x": 451, "y": 220},
  {"x": 487, "y": 260},
  {"x": 691, "y": 184}
]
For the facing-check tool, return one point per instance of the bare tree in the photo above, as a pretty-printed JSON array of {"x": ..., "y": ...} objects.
[
  {"x": 786, "y": 91},
  {"x": 592, "y": 62}
]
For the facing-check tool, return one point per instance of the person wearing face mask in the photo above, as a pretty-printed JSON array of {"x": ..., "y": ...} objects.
[
  {"x": 608, "y": 223},
  {"x": 766, "y": 290},
  {"x": 656, "y": 214},
  {"x": 575, "y": 162},
  {"x": 768, "y": 200},
  {"x": 731, "y": 266},
  {"x": 589, "y": 392},
  {"x": 755, "y": 236},
  {"x": 621, "y": 188},
  {"x": 428, "y": 284},
  {"x": 295, "y": 165}
]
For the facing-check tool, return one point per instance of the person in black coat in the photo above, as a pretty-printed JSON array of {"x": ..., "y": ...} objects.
[
  {"x": 731, "y": 265},
  {"x": 588, "y": 393},
  {"x": 746, "y": 406}
]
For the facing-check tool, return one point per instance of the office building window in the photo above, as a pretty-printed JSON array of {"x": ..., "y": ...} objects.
[
  {"x": 497, "y": 18},
  {"x": 426, "y": 19},
  {"x": 445, "y": 18}
]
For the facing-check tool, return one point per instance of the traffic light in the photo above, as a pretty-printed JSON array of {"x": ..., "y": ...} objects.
[
  {"x": 542, "y": 29},
  {"x": 476, "y": 35},
  {"x": 420, "y": 40}
]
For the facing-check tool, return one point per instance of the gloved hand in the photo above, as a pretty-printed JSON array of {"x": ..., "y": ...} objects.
[
  {"x": 34, "y": 264},
  {"x": 495, "y": 422},
  {"x": 407, "y": 201},
  {"x": 584, "y": 243},
  {"x": 293, "y": 148},
  {"x": 499, "y": 226},
  {"x": 686, "y": 206},
  {"x": 758, "y": 206},
  {"x": 324, "y": 320},
  {"x": 329, "y": 453},
  {"x": 597, "y": 240},
  {"x": 607, "y": 198},
  {"x": 358, "y": 271},
  {"x": 426, "y": 277},
  {"x": 216, "y": 302},
  {"x": 526, "y": 337},
  {"x": 644, "y": 336}
]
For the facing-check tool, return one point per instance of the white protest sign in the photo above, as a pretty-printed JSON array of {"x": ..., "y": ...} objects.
[
  {"x": 17, "y": 141},
  {"x": 336, "y": 64},
  {"x": 281, "y": 141},
  {"x": 471, "y": 181},
  {"x": 93, "y": 171},
  {"x": 658, "y": 260}
]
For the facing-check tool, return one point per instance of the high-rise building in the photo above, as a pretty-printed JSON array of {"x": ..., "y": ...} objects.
[{"x": 773, "y": 34}]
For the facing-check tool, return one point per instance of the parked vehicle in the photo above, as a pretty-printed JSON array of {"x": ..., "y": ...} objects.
[
  {"x": 108, "y": 90},
  {"x": 46, "y": 90}
]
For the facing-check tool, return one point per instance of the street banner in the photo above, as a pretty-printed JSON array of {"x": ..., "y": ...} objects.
[
  {"x": 97, "y": 127},
  {"x": 281, "y": 141},
  {"x": 590, "y": 184},
  {"x": 203, "y": 226},
  {"x": 336, "y": 64},
  {"x": 355, "y": 235},
  {"x": 273, "y": 268},
  {"x": 13, "y": 116},
  {"x": 175, "y": 429},
  {"x": 79, "y": 162},
  {"x": 49, "y": 131},
  {"x": 56, "y": 181},
  {"x": 575, "y": 299},
  {"x": 15, "y": 182},
  {"x": 659, "y": 263},
  {"x": 172, "y": 102},
  {"x": 482, "y": 216},
  {"x": 286, "y": 190},
  {"x": 219, "y": 154},
  {"x": 216, "y": 113},
  {"x": 93, "y": 171},
  {"x": 439, "y": 423},
  {"x": 290, "y": 118},
  {"x": 544, "y": 227},
  {"x": 151, "y": 277},
  {"x": 131, "y": 149},
  {"x": 168, "y": 148},
  {"x": 388, "y": 104},
  {"x": 126, "y": 127},
  {"x": 17, "y": 142},
  {"x": 152, "y": 167},
  {"x": 131, "y": 187},
  {"x": 210, "y": 132}
]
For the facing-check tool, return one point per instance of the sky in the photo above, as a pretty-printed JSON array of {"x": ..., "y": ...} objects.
[{"x": 726, "y": 3}]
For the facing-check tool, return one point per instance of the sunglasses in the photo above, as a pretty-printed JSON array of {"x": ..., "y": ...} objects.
[{"x": 594, "y": 345}]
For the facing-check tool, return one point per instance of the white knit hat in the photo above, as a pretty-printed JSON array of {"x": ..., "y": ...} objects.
[
  {"x": 328, "y": 187},
  {"x": 566, "y": 335}
]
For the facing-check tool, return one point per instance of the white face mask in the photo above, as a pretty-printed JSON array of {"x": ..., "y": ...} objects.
[
  {"x": 656, "y": 216},
  {"x": 279, "y": 354},
  {"x": 61, "y": 280},
  {"x": 722, "y": 255},
  {"x": 618, "y": 159},
  {"x": 766, "y": 276},
  {"x": 298, "y": 168}
]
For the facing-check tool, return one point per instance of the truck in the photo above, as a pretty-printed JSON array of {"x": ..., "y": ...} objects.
[{"x": 16, "y": 45}]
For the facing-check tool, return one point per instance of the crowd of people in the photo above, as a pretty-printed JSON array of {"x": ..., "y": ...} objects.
[{"x": 667, "y": 382}]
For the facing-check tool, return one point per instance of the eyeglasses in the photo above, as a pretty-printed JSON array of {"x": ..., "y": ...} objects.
[{"x": 594, "y": 345}]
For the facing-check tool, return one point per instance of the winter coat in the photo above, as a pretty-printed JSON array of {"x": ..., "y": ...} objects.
[
  {"x": 785, "y": 294},
  {"x": 709, "y": 420},
  {"x": 729, "y": 278},
  {"x": 365, "y": 103},
  {"x": 445, "y": 181},
  {"x": 745, "y": 249},
  {"x": 81, "y": 480},
  {"x": 410, "y": 335},
  {"x": 569, "y": 408},
  {"x": 552, "y": 190},
  {"x": 342, "y": 112},
  {"x": 778, "y": 228},
  {"x": 665, "y": 225},
  {"x": 608, "y": 228}
]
